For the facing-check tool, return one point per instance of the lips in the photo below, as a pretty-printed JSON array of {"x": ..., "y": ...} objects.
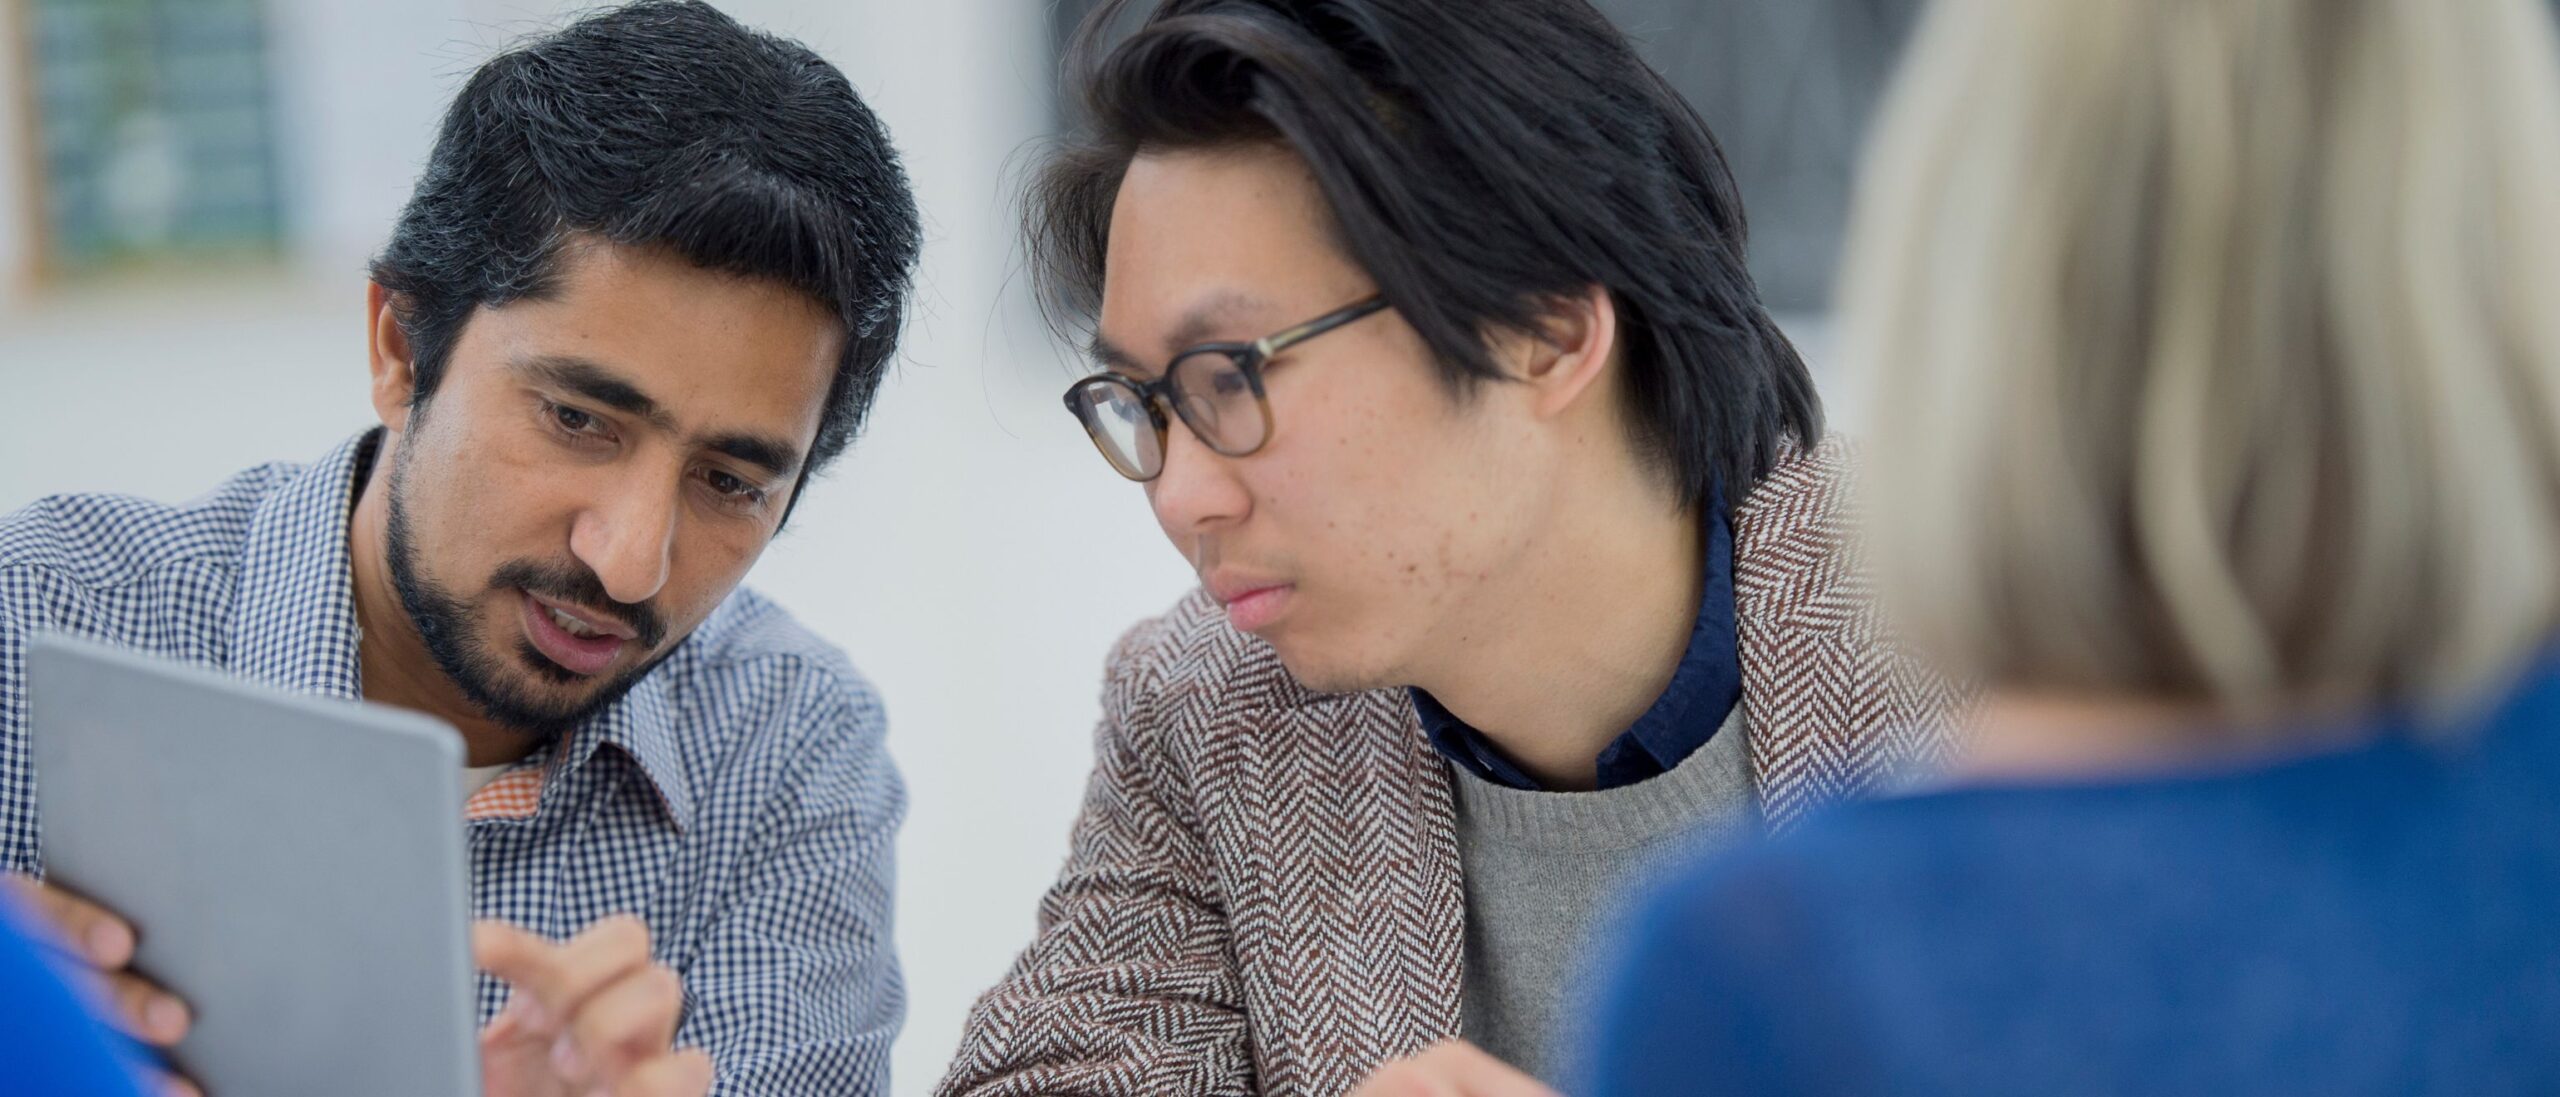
[
  {"x": 1258, "y": 609},
  {"x": 1252, "y": 604},
  {"x": 581, "y": 642}
]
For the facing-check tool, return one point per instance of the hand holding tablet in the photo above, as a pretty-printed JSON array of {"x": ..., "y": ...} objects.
[
  {"x": 101, "y": 945},
  {"x": 288, "y": 871}
]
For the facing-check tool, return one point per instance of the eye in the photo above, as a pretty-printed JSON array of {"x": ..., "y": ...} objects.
[
  {"x": 578, "y": 424},
  {"x": 732, "y": 489}
]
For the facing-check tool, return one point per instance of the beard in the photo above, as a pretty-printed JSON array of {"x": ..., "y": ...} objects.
[{"x": 455, "y": 640}]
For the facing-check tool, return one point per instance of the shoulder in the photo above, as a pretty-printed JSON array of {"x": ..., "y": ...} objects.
[
  {"x": 750, "y": 670},
  {"x": 1845, "y": 705},
  {"x": 1852, "y": 857},
  {"x": 1809, "y": 928},
  {"x": 752, "y": 643},
  {"x": 107, "y": 540},
  {"x": 1912, "y": 881},
  {"x": 2016, "y": 881},
  {"x": 1795, "y": 544},
  {"x": 1190, "y": 700},
  {"x": 1785, "y": 965},
  {"x": 773, "y": 724},
  {"x": 1189, "y": 651},
  {"x": 2106, "y": 845},
  {"x": 1805, "y": 489},
  {"x": 1187, "y": 667}
]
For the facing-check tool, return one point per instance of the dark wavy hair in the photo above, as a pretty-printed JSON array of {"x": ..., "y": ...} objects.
[
  {"x": 1481, "y": 159},
  {"x": 661, "y": 124}
]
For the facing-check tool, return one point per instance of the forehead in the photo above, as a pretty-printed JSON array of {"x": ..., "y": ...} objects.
[
  {"x": 1238, "y": 235},
  {"x": 713, "y": 349}
]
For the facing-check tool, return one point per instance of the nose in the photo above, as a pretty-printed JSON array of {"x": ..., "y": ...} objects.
[
  {"x": 627, "y": 538},
  {"x": 1198, "y": 492}
]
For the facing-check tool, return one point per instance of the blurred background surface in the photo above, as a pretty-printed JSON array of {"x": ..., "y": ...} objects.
[{"x": 189, "y": 190}]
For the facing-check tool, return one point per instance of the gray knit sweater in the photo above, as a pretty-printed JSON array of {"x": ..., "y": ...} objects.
[{"x": 1544, "y": 870}]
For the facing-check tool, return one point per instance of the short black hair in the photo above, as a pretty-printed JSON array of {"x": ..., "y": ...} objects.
[
  {"x": 661, "y": 124},
  {"x": 1481, "y": 159}
]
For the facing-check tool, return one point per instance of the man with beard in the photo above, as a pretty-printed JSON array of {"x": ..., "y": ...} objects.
[{"x": 648, "y": 282}]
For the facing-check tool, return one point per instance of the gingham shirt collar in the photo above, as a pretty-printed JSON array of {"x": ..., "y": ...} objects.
[{"x": 294, "y": 624}]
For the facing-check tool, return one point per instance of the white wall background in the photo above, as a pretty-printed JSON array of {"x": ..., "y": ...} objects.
[
  {"x": 954, "y": 553},
  {"x": 971, "y": 553}
]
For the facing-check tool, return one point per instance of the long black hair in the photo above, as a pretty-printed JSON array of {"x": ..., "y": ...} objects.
[{"x": 1481, "y": 159}]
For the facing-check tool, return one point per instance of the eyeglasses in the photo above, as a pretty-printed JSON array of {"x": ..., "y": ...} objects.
[{"x": 1216, "y": 388}]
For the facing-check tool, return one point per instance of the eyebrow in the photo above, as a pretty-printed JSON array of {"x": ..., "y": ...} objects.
[
  {"x": 1203, "y": 319},
  {"x": 599, "y": 384},
  {"x": 1108, "y": 355},
  {"x": 772, "y": 455},
  {"x": 602, "y": 385}
]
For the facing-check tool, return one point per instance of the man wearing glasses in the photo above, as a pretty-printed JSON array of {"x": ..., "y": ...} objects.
[{"x": 1426, "y": 327}]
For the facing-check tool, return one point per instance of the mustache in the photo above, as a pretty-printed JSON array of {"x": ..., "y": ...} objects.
[{"x": 577, "y": 585}]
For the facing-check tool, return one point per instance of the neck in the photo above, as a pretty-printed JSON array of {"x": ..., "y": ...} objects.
[
  {"x": 396, "y": 667},
  {"x": 2024, "y": 736},
  {"x": 2018, "y": 735},
  {"x": 1562, "y": 654}
]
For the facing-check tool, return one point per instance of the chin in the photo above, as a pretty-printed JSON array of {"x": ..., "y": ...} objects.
[
  {"x": 579, "y": 695},
  {"x": 1324, "y": 668},
  {"x": 556, "y": 693}
]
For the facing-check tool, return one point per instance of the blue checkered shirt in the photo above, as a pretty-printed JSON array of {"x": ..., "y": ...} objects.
[{"x": 739, "y": 799}]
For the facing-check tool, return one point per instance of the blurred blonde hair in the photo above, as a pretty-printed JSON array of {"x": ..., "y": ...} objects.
[{"x": 2215, "y": 346}]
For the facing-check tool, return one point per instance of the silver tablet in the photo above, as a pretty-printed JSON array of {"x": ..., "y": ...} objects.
[{"x": 292, "y": 866}]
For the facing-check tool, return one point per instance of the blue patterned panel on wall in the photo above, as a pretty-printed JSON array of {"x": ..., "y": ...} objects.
[{"x": 155, "y": 132}]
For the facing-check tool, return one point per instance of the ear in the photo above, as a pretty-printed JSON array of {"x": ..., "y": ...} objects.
[
  {"x": 395, "y": 376},
  {"x": 1577, "y": 339}
]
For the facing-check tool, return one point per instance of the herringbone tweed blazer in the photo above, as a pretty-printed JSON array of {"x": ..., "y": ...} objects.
[{"x": 1262, "y": 893}]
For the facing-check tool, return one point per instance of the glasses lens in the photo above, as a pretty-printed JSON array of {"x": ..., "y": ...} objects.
[
  {"x": 1218, "y": 402},
  {"x": 1117, "y": 418}
]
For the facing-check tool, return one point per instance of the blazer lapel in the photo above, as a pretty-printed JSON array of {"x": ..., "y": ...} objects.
[{"x": 1834, "y": 708}]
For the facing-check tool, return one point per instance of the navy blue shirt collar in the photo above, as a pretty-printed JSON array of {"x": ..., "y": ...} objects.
[{"x": 1704, "y": 688}]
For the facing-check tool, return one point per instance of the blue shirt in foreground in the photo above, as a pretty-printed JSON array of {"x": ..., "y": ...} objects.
[
  {"x": 2382, "y": 921},
  {"x": 739, "y": 799},
  {"x": 48, "y": 1043}
]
